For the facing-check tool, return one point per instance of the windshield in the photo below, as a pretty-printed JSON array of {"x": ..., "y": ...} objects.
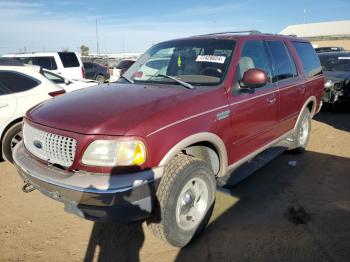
[
  {"x": 199, "y": 62},
  {"x": 335, "y": 62}
]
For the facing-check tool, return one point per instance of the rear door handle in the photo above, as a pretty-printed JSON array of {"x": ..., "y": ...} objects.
[{"x": 4, "y": 105}]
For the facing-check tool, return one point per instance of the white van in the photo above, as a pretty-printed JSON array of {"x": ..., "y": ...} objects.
[{"x": 67, "y": 64}]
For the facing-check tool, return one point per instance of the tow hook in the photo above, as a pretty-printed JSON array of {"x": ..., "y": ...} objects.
[{"x": 28, "y": 187}]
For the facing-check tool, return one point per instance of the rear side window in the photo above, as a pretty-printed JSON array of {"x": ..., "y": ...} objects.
[
  {"x": 69, "y": 59},
  {"x": 309, "y": 58},
  {"x": 14, "y": 82},
  {"x": 283, "y": 64},
  {"x": 53, "y": 77},
  {"x": 47, "y": 62},
  {"x": 88, "y": 65},
  {"x": 125, "y": 64}
]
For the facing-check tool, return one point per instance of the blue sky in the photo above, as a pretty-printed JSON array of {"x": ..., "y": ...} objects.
[{"x": 133, "y": 26}]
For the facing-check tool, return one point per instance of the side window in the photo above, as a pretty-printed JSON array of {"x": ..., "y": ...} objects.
[
  {"x": 47, "y": 62},
  {"x": 53, "y": 77},
  {"x": 87, "y": 66},
  {"x": 308, "y": 57},
  {"x": 253, "y": 55},
  {"x": 15, "y": 82},
  {"x": 3, "y": 90},
  {"x": 283, "y": 63},
  {"x": 69, "y": 59}
]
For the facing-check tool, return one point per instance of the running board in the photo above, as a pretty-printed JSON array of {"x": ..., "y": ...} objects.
[{"x": 237, "y": 175}]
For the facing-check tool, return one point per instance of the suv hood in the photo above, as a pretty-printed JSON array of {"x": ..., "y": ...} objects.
[
  {"x": 337, "y": 75},
  {"x": 108, "y": 109}
]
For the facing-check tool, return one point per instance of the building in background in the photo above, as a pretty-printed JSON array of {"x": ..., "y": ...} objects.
[{"x": 335, "y": 33}]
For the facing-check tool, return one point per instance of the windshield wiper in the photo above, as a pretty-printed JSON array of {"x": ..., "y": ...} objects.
[
  {"x": 183, "y": 83},
  {"x": 127, "y": 79}
]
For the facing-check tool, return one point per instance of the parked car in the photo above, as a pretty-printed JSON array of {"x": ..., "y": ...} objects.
[
  {"x": 120, "y": 69},
  {"x": 66, "y": 83},
  {"x": 155, "y": 146},
  {"x": 336, "y": 68},
  {"x": 96, "y": 72},
  {"x": 67, "y": 64},
  {"x": 21, "y": 88},
  {"x": 329, "y": 49}
]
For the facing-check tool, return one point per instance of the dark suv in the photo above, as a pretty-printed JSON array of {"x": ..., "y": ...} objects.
[
  {"x": 154, "y": 145},
  {"x": 96, "y": 72}
]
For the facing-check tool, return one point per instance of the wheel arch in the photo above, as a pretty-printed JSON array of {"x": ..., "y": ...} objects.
[
  {"x": 13, "y": 122},
  {"x": 205, "y": 145},
  {"x": 310, "y": 103}
]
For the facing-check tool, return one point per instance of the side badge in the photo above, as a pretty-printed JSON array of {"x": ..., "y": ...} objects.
[{"x": 223, "y": 115}]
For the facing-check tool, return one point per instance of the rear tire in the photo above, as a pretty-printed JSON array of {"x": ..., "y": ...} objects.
[
  {"x": 100, "y": 79},
  {"x": 301, "y": 134},
  {"x": 186, "y": 197},
  {"x": 11, "y": 138}
]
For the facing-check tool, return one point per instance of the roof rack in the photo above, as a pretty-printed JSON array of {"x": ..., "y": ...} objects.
[{"x": 250, "y": 32}]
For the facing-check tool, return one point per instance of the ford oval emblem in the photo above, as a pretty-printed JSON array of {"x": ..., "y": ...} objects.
[{"x": 38, "y": 144}]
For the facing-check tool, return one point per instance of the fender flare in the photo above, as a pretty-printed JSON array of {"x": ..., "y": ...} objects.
[
  {"x": 211, "y": 138},
  {"x": 313, "y": 110}
]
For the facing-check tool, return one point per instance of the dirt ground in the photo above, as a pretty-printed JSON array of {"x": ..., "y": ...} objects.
[{"x": 296, "y": 208}]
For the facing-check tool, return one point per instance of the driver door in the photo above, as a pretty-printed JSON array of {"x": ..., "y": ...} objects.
[{"x": 253, "y": 111}]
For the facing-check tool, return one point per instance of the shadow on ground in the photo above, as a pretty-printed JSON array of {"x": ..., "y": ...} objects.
[
  {"x": 335, "y": 116},
  {"x": 283, "y": 213}
]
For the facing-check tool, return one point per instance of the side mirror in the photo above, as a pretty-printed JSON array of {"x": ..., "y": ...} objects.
[
  {"x": 254, "y": 78},
  {"x": 66, "y": 81}
]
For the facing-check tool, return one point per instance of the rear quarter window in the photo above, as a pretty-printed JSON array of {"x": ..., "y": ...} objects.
[
  {"x": 69, "y": 59},
  {"x": 309, "y": 59},
  {"x": 14, "y": 82}
]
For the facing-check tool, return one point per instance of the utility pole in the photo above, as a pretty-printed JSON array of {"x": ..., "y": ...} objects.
[{"x": 97, "y": 45}]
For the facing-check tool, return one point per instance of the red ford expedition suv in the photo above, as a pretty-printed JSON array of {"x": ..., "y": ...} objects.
[{"x": 187, "y": 114}]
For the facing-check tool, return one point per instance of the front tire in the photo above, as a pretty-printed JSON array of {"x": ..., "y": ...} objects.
[
  {"x": 11, "y": 138},
  {"x": 186, "y": 197}
]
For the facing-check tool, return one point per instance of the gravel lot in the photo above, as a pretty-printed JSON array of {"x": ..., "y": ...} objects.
[{"x": 296, "y": 208}]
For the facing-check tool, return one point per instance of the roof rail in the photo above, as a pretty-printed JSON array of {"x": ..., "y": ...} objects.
[{"x": 250, "y": 32}]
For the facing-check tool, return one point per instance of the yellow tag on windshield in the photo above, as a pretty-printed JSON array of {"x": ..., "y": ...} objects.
[{"x": 179, "y": 62}]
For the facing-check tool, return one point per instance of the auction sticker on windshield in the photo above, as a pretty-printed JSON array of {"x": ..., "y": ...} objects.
[{"x": 211, "y": 58}]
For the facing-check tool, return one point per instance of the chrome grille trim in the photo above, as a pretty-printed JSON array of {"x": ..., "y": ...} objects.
[{"x": 55, "y": 149}]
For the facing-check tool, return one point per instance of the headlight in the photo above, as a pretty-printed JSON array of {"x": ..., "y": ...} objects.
[
  {"x": 328, "y": 84},
  {"x": 114, "y": 153}
]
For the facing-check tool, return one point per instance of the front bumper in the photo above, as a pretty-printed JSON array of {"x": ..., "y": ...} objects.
[{"x": 97, "y": 197}]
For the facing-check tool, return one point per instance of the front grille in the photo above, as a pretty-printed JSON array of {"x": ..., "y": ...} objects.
[
  {"x": 339, "y": 86},
  {"x": 50, "y": 147}
]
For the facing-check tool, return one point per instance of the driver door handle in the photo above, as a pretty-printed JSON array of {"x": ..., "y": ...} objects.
[
  {"x": 4, "y": 105},
  {"x": 271, "y": 99}
]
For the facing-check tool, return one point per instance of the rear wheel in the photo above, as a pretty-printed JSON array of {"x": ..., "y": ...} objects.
[
  {"x": 11, "y": 138},
  {"x": 186, "y": 197},
  {"x": 100, "y": 79},
  {"x": 301, "y": 135}
]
